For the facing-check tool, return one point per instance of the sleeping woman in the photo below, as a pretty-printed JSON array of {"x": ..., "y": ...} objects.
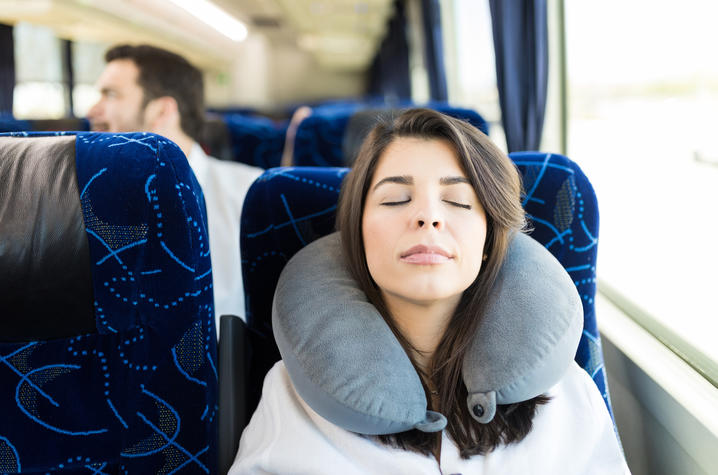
[{"x": 425, "y": 217}]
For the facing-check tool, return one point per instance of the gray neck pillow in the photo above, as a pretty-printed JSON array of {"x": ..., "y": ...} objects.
[{"x": 345, "y": 362}]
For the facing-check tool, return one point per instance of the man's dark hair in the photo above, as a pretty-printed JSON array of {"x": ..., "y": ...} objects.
[{"x": 163, "y": 73}]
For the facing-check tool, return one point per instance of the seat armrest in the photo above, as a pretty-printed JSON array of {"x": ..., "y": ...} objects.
[{"x": 232, "y": 398}]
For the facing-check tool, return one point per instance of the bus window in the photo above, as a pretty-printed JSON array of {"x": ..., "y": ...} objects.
[
  {"x": 642, "y": 114},
  {"x": 469, "y": 61},
  {"x": 39, "y": 90},
  {"x": 87, "y": 63},
  {"x": 641, "y": 108}
]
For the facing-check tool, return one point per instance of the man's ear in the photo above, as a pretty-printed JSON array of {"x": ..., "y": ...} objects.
[{"x": 162, "y": 114}]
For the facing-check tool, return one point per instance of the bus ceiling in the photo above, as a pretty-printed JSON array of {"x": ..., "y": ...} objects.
[{"x": 341, "y": 35}]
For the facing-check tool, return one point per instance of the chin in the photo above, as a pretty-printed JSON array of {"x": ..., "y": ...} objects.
[{"x": 423, "y": 292}]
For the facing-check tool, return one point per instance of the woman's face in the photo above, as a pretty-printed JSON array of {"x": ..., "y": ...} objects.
[{"x": 423, "y": 226}]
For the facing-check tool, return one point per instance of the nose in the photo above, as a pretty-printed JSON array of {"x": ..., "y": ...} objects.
[
  {"x": 429, "y": 215},
  {"x": 94, "y": 111},
  {"x": 436, "y": 224}
]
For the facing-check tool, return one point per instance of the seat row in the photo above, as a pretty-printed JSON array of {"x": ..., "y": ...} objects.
[
  {"x": 108, "y": 356},
  {"x": 326, "y": 138}
]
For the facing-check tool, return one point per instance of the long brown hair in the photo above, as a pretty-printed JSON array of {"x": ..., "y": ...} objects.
[{"x": 497, "y": 184}]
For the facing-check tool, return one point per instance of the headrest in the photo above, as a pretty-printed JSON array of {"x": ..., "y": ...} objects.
[
  {"x": 358, "y": 127},
  {"x": 100, "y": 233},
  {"x": 44, "y": 256},
  {"x": 255, "y": 140},
  {"x": 345, "y": 362},
  {"x": 149, "y": 249},
  {"x": 60, "y": 124},
  {"x": 332, "y": 135},
  {"x": 214, "y": 138}
]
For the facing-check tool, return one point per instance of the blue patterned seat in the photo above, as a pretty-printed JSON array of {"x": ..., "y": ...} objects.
[
  {"x": 9, "y": 124},
  {"x": 563, "y": 212},
  {"x": 107, "y": 345},
  {"x": 287, "y": 208},
  {"x": 256, "y": 141},
  {"x": 320, "y": 138}
]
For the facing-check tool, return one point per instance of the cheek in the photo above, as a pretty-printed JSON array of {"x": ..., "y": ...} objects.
[
  {"x": 372, "y": 236},
  {"x": 378, "y": 244},
  {"x": 113, "y": 112},
  {"x": 473, "y": 238}
]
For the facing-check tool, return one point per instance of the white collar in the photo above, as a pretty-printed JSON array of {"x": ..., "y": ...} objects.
[{"x": 198, "y": 160}]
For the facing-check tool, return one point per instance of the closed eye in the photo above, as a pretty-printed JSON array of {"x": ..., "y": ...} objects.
[
  {"x": 395, "y": 203},
  {"x": 460, "y": 205}
]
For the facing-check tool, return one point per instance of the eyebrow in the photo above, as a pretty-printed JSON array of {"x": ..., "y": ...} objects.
[
  {"x": 409, "y": 180},
  {"x": 401, "y": 180},
  {"x": 453, "y": 180}
]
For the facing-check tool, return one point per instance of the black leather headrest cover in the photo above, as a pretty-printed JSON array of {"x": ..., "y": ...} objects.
[
  {"x": 216, "y": 139},
  {"x": 358, "y": 127},
  {"x": 58, "y": 124},
  {"x": 45, "y": 279}
]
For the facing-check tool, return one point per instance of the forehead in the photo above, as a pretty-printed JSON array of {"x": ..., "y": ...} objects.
[
  {"x": 420, "y": 158},
  {"x": 119, "y": 74}
]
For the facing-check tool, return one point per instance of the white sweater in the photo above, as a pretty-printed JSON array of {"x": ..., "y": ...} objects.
[{"x": 572, "y": 435}]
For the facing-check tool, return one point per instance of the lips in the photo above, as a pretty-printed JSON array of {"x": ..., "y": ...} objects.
[{"x": 426, "y": 255}]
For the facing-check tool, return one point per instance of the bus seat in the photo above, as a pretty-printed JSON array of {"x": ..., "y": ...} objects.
[
  {"x": 273, "y": 230},
  {"x": 256, "y": 141},
  {"x": 318, "y": 141},
  {"x": 286, "y": 208},
  {"x": 468, "y": 115},
  {"x": 331, "y": 135},
  {"x": 214, "y": 138},
  {"x": 69, "y": 123},
  {"x": 562, "y": 210},
  {"x": 10, "y": 124},
  {"x": 107, "y": 339}
]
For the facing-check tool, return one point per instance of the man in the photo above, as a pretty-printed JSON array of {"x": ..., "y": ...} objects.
[{"x": 148, "y": 89}]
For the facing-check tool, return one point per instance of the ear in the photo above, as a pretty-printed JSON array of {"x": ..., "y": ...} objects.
[{"x": 162, "y": 115}]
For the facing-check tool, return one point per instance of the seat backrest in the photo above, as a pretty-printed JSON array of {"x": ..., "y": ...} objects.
[
  {"x": 562, "y": 209},
  {"x": 287, "y": 208},
  {"x": 284, "y": 210},
  {"x": 331, "y": 135},
  {"x": 9, "y": 124},
  {"x": 255, "y": 140},
  {"x": 214, "y": 138},
  {"x": 77, "y": 124},
  {"x": 107, "y": 339}
]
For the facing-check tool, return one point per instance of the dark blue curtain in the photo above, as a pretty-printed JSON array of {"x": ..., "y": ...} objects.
[
  {"x": 434, "y": 50},
  {"x": 389, "y": 73},
  {"x": 521, "y": 46},
  {"x": 7, "y": 69},
  {"x": 68, "y": 76}
]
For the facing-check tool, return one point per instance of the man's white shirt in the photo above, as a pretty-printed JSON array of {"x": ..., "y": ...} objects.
[{"x": 224, "y": 185}]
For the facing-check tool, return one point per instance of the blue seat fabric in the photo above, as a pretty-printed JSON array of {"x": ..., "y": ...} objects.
[
  {"x": 10, "y": 124},
  {"x": 287, "y": 208},
  {"x": 139, "y": 395},
  {"x": 319, "y": 137},
  {"x": 256, "y": 141}
]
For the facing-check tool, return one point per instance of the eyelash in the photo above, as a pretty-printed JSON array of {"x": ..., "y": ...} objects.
[
  {"x": 460, "y": 205},
  {"x": 454, "y": 203}
]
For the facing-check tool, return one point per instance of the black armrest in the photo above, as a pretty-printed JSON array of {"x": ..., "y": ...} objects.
[{"x": 232, "y": 381}]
